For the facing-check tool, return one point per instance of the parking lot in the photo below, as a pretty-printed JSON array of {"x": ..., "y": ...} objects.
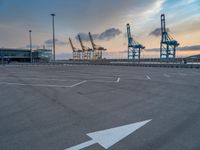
[{"x": 54, "y": 107}]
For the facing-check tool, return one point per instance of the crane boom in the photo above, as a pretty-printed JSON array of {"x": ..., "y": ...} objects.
[
  {"x": 92, "y": 41},
  {"x": 72, "y": 46},
  {"x": 163, "y": 28},
  {"x": 82, "y": 46},
  {"x": 76, "y": 52},
  {"x": 97, "y": 50},
  {"x": 94, "y": 46},
  {"x": 130, "y": 39}
]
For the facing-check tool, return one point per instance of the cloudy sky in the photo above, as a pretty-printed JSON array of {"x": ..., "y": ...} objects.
[{"x": 105, "y": 19}]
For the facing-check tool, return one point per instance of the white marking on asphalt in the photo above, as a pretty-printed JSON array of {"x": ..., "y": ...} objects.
[
  {"x": 41, "y": 85},
  {"x": 166, "y": 75},
  {"x": 78, "y": 83},
  {"x": 183, "y": 74},
  {"x": 82, "y": 145},
  {"x": 104, "y": 81},
  {"x": 37, "y": 85},
  {"x": 37, "y": 79},
  {"x": 148, "y": 78},
  {"x": 109, "y": 137},
  {"x": 118, "y": 79},
  {"x": 104, "y": 77},
  {"x": 28, "y": 72}
]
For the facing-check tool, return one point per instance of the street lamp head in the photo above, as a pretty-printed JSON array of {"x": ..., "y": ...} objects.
[
  {"x": 53, "y": 15},
  {"x": 30, "y": 30}
]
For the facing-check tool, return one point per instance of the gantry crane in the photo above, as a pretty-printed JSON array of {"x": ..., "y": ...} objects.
[
  {"x": 97, "y": 50},
  {"x": 134, "y": 48},
  {"x": 76, "y": 52},
  {"x": 86, "y": 51},
  {"x": 167, "y": 45}
]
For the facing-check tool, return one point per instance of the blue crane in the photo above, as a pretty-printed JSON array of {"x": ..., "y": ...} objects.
[
  {"x": 167, "y": 45},
  {"x": 134, "y": 48}
]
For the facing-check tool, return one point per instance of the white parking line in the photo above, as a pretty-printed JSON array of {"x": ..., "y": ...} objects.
[
  {"x": 182, "y": 74},
  {"x": 104, "y": 81},
  {"x": 78, "y": 83},
  {"x": 41, "y": 85},
  {"x": 148, "y": 77},
  {"x": 37, "y": 79},
  {"x": 37, "y": 85},
  {"x": 118, "y": 79},
  {"x": 166, "y": 75}
]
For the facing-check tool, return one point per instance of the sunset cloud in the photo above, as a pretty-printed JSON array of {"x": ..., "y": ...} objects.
[{"x": 104, "y": 36}]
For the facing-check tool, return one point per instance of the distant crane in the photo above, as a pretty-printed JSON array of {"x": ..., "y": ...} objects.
[
  {"x": 76, "y": 52},
  {"x": 167, "y": 45},
  {"x": 86, "y": 51},
  {"x": 134, "y": 48},
  {"x": 97, "y": 50}
]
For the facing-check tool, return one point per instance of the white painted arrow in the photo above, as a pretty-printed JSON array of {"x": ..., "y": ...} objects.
[{"x": 109, "y": 137}]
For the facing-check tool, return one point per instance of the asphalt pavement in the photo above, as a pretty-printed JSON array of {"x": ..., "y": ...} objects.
[{"x": 54, "y": 107}]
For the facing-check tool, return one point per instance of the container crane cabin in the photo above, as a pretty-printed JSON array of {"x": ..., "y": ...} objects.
[
  {"x": 97, "y": 50},
  {"x": 76, "y": 52}
]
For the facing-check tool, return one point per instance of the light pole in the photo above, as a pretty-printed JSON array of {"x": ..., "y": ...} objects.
[
  {"x": 54, "y": 47},
  {"x": 30, "y": 38}
]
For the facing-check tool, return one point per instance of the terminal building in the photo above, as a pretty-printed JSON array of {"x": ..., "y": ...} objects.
[{"x": 24, "y": 55}]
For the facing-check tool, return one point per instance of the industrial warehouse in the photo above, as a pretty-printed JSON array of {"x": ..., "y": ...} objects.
[{"x": 24, "y": 55}]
